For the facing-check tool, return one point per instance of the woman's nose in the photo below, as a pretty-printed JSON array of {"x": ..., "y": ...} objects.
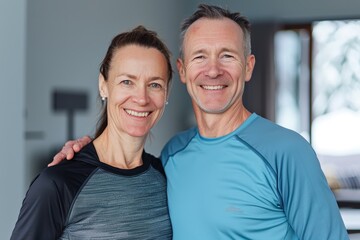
[{"x": 141, "y": 96}]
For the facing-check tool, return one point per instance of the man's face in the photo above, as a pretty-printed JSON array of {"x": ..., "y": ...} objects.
[{"x": 214, "y": 67}]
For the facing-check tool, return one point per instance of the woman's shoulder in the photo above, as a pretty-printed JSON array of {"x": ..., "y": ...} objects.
[
  {"x": 67, "y": 174},
  {"x": 155, "y": 162}
]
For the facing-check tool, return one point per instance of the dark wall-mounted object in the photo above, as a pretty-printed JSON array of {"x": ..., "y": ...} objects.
[{"x": 70, "y": 102}]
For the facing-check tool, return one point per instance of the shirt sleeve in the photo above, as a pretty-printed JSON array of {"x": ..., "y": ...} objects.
[
  {"x": 308, "y": 202},
  {"x": 42, "y": 214}
]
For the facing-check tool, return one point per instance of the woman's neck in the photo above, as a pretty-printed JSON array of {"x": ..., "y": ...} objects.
[{"x": 120, "y": 150}]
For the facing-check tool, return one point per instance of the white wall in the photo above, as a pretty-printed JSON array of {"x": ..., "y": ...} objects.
[{"x": 12, "y": 80}]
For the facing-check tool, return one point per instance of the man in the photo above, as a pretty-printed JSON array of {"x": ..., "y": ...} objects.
[{"x": 237, "y": 175}]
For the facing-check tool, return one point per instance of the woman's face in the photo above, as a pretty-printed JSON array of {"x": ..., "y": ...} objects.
[{"x": 136, "y": 89}]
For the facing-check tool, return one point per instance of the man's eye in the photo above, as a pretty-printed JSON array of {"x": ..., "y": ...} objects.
[
  {"x": 200, "y": 57},
  {"x": 228, "y": 56}
]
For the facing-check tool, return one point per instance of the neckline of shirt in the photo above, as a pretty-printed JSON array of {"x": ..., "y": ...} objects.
[
  {"x": 127, "y": 172},
  {"x": 216, "y": 140}
]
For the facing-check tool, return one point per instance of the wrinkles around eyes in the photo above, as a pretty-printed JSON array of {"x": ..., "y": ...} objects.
[{"x": 221, "y": 63}]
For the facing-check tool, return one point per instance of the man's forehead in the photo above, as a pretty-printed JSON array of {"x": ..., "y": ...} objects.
[
  {"x": 219, "y": 33},
  {"x": 212, "y": 23},
  {"x": 213, "y": 28}
]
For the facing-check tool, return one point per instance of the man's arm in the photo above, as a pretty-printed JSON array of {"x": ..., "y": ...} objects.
[
  {"x": 308, "y": 201},
  {"x": 69, "y": 149}
]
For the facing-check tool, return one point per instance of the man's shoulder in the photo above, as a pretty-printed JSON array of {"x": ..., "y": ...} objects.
[
  {"x": 276, "y": 144},
  {"x": 181, "y": 138},
  {"x": 262, "y": 131},
  {"x": 178, "y": 142}
]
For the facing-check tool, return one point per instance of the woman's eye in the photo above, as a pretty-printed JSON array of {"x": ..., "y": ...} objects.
[
  {"x": 126, "y": 82},
  {"x": 155, "y": 85}
]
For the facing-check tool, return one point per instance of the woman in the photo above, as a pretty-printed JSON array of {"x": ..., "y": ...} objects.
[{"x": 114, "y": 189}]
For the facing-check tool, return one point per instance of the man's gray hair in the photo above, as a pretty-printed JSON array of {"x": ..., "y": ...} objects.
[{"x": 215, "y": 12}]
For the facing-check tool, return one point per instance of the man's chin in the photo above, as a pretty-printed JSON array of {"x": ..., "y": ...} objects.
[{"x": 213, "y": 109}]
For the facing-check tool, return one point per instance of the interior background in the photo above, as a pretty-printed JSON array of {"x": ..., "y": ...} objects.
[{"x": 58, "y": 45}]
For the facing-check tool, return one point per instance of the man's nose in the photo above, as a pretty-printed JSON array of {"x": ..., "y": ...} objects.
[{"x": 213, "y": 68}]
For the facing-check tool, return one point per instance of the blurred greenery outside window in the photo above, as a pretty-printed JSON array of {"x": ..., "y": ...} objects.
[{"x": 318, "y": 93}]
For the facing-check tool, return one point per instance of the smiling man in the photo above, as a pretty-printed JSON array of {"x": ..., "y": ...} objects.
[{"x": 237, "y": 175}]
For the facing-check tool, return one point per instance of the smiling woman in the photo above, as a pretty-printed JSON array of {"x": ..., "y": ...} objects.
[
  {"x": 136, "y": 90},
  {"x": 113, "y": 189}
]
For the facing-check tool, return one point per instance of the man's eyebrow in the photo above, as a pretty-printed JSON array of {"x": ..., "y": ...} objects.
[
  {"x": 226, "y": 49},
  {"x": 198, "y": 51}
]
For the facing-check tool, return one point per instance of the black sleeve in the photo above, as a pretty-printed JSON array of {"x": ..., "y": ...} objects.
[
  {"x": 155, "y": 162},
  {"x": 42, "y": 215}
]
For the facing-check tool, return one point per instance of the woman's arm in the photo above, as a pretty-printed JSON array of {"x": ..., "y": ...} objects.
[{"x": 41, "y": 216}]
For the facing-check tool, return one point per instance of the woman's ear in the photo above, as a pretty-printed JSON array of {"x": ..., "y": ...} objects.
[{"x": 103, "y": 90}]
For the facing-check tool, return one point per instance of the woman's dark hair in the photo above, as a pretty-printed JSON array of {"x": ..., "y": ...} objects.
[{"x": 138, "y": 36}]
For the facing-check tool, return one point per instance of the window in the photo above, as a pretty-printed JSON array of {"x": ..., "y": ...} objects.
[
  {"x": 293, "y": 86},
  {"x": 318, "y": 93}
]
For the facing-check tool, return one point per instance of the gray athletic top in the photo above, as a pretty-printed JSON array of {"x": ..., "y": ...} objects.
[{"x": 87, "y": 199}]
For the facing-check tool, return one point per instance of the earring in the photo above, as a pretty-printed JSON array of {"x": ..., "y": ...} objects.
[
  {"x": 103, "y": 99},
  {"x": 166, "y": 103}
]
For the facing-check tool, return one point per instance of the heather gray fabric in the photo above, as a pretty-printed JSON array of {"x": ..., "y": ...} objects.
[
  {"x": 87, "y": 199},
  {"x": 131, "y": 207}
]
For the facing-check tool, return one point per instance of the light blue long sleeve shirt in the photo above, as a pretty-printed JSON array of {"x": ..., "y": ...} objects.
[{"x": 259, "y": 182}]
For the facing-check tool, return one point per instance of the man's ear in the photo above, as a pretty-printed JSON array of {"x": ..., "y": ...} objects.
[
  {"x": 103, "y": 90},
  {"x": 181, "y": 69},
  {"x": 250, "y": 64}
]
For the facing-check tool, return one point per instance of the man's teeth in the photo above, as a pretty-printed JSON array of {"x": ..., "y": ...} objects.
[
  {"x": 137, "y": 114},
  {"x": 207, "y": 87}
]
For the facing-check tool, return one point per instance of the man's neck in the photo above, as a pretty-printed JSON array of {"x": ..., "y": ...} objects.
[{"x": 217, "y": 125}]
